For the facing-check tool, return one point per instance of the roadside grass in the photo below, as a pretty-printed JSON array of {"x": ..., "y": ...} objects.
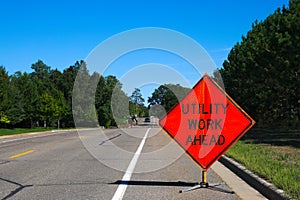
[
  {"x": 21, "y": 130},
  {"x": 273, "y": 158}
]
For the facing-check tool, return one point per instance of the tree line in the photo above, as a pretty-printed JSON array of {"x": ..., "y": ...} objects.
[
  {"x": 50, "y": 98},
  {"x": 44, "y": 98},
  {"x": 29, "y": 99}
]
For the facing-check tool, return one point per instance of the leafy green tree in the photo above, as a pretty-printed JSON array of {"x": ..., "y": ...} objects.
[
  {"x": 3, "y": 118},
  {"x": 4, "y": 101},
  {"x": 136, "y": 97},
  {"x": 14, "y": 104},
  {"x": 137, "y": 102},
  {"x": 167, "y": 95},
  {"x": 48, "y": 108},
  {"x": 61, "y": 106}
]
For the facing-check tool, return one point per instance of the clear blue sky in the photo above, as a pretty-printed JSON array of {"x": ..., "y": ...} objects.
[{"x": 62, "y": 32}]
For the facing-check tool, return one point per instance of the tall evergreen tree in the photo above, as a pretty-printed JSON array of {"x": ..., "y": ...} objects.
[
  {"x": 262, "y": 71},
  {"x": 83, "y": 103},
  {"x": 68, "y": 79},
  {"x": 41, "y": 76},
  {"x": 28, "y": 96},
  {"x": 105, "y": 91},
  {"x": 137, "y": 102}
]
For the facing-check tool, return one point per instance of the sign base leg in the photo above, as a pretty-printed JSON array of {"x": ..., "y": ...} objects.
[
  {"x": 212, "y": 186},
  {"x": 205, "y": 184}
]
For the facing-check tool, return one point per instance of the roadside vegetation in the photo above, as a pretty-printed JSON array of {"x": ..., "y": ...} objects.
[
  {"x": 273, "y": 155},
  {"x": 14, "y": 131},
  {"x": 262, "y": 75}
]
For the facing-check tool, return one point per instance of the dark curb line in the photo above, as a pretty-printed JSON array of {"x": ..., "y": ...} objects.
[{"x": 265, "y": 188}]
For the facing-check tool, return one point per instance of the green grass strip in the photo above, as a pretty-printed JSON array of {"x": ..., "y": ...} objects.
[
  {"x": 21, "y": 130},
  {"x": 279, "y": 165}
]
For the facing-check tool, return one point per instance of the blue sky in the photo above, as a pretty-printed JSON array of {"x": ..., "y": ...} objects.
[{"x": 62, "y": 32}]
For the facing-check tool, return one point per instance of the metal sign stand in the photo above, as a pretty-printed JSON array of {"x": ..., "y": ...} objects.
[{"x": 205, "y": 184}]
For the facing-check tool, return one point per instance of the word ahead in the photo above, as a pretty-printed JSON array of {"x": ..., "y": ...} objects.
[{"x": 207, "y": 122}]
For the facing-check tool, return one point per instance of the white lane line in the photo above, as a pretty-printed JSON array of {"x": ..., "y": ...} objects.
[{"x": 122, "y": 187}]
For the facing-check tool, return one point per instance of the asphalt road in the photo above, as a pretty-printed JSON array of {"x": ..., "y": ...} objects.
[{"x": 137, "y": 163}]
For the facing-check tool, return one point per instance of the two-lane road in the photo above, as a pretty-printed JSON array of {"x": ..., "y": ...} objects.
[{"x": 59, "y": 166}]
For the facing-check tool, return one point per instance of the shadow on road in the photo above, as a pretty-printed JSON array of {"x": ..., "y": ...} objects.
[
  {"x": 110, "y": 139},
  {"x": 153, "y": 183},
  {"x": 193, "y": 185},
  {"x": 20, "y": 187}
]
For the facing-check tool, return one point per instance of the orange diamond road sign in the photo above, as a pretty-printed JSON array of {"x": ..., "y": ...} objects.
[{"x": 206, "y": 122}]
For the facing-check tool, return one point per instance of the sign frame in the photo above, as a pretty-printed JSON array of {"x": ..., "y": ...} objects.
[{"x": 236, "y": 138}]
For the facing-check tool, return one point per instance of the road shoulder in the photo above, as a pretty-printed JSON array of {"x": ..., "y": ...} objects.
[{"x": 240, "y": 187}]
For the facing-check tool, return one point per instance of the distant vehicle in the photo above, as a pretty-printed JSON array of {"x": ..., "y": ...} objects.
[{"x": 147, "y": 119}]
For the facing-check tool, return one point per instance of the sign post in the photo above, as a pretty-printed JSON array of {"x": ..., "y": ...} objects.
[{"x": 206, "y": 123}]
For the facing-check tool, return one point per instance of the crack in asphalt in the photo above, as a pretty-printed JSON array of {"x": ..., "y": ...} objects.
[
  {"x": 18, "y": 189},
  {"x": 116, "y": 136},
  {"x": 4, "y": 162}
]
